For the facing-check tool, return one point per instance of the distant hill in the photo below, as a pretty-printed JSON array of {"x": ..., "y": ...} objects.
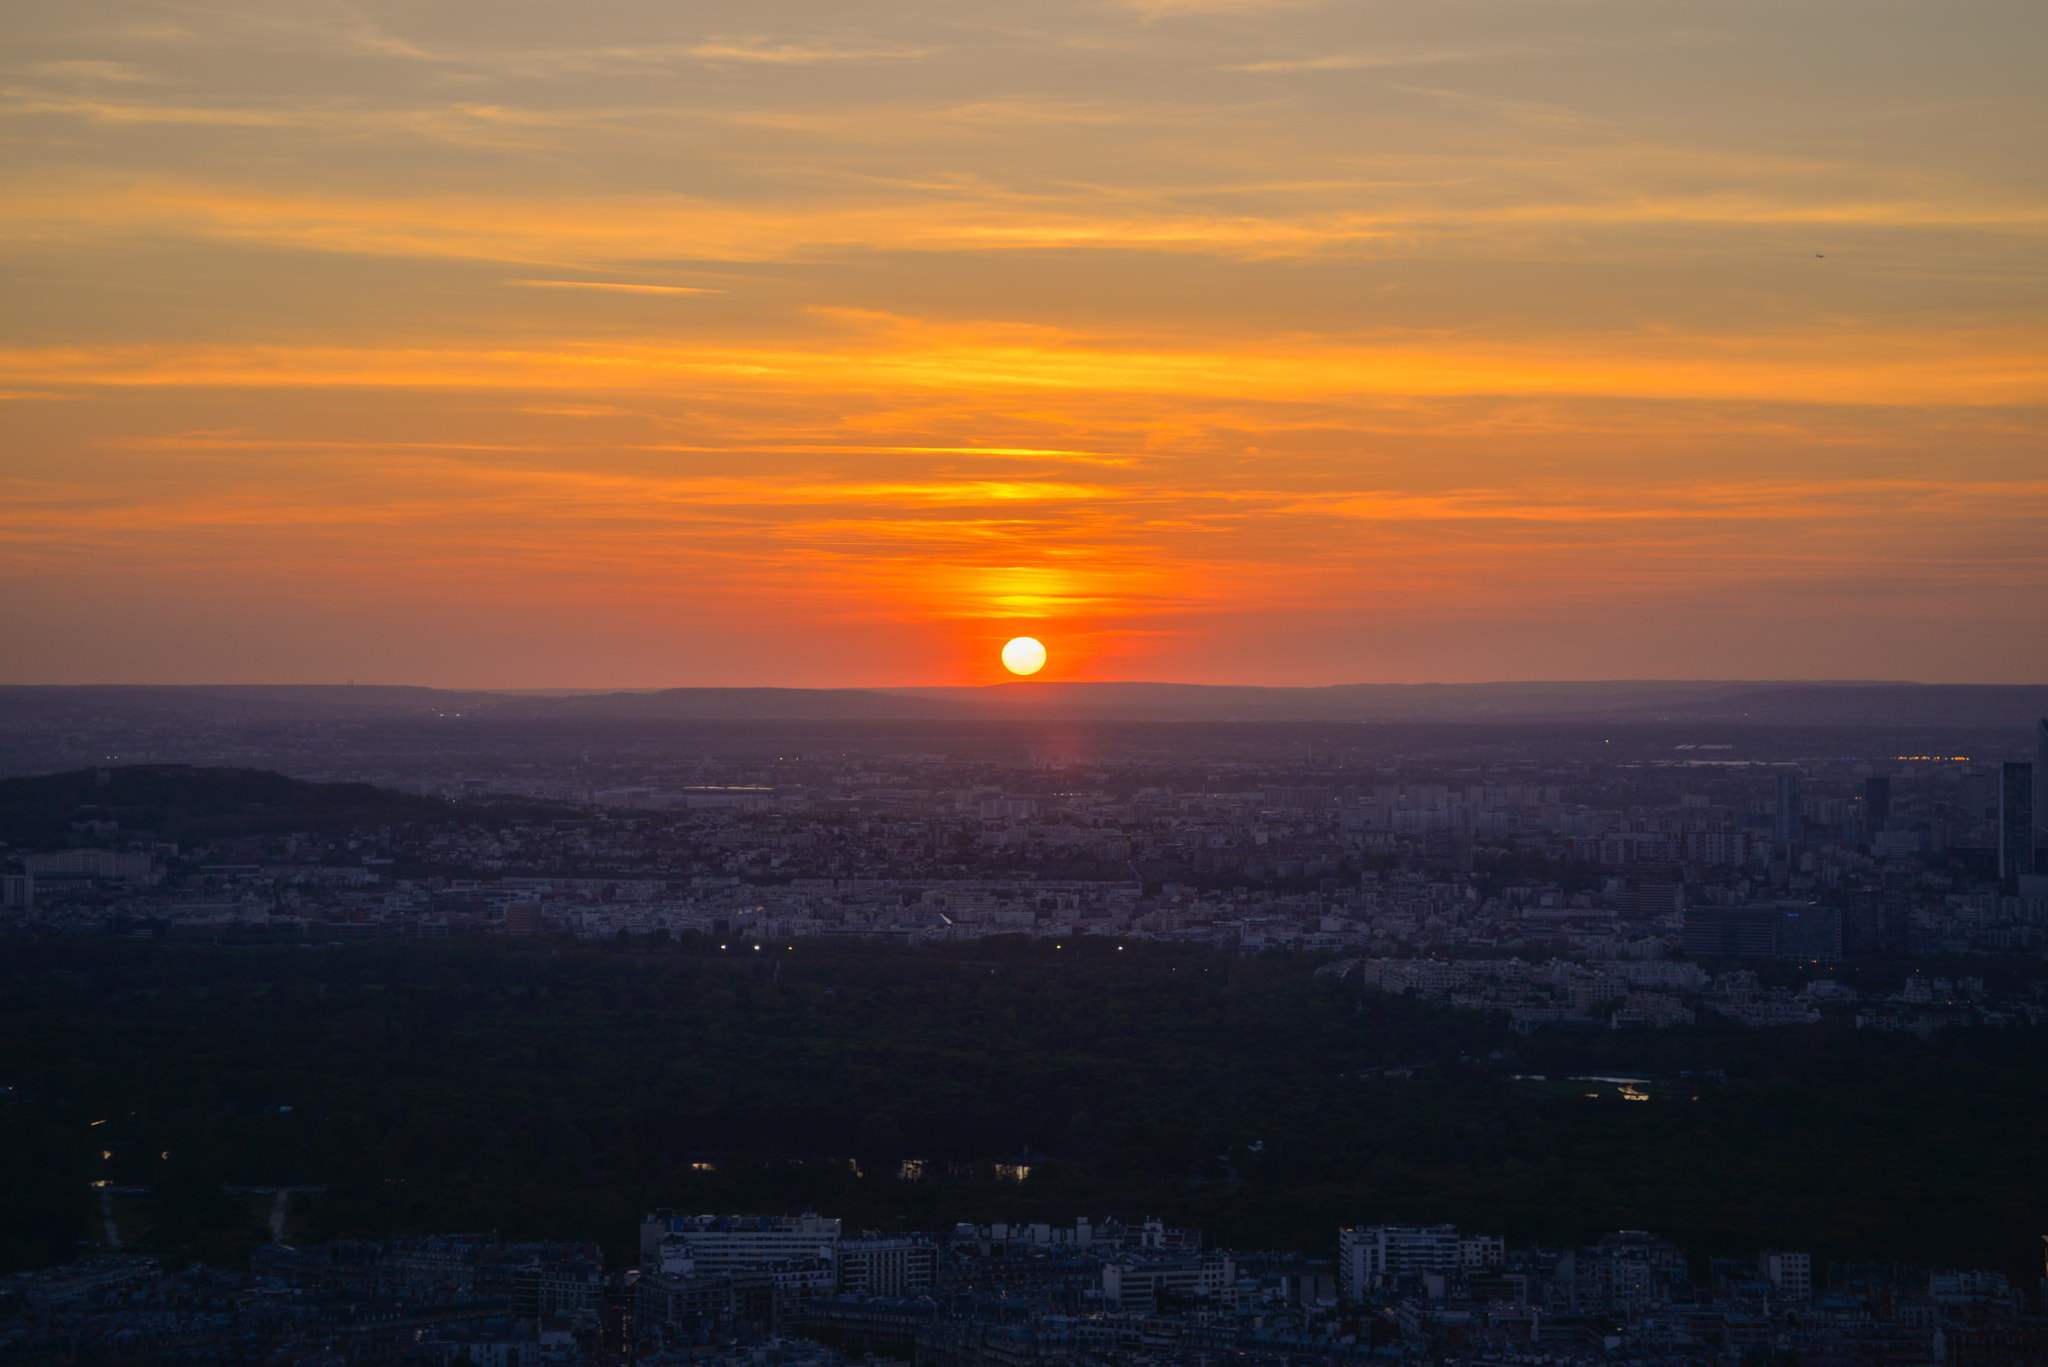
[
  {"x": 178, "y": 802},
  {"x": 1340, "y": 702},
  {"x": 1959, "y": 705},
  {"x": 1766, "y": 704},
  {"x": 344, "y": 702},
  {"x": 235, "y": 702},
  {"x": 736, "y": 704},
  {"x": 1756, "y": 703}
]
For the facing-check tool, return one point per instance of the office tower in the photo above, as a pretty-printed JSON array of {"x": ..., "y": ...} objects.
[
  {"x": 2041, "y": 793},
  {"x": 1787, "y": 827},
  {"x": 2015, "y": 819},
  {"x": 1877, "y": 801}
]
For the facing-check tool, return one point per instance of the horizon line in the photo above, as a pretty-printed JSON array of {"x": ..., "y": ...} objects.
[{"x": 1028, "y": 683}]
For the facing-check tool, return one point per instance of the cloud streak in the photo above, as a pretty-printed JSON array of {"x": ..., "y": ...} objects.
[
  {"x": 1966, "y": 370},
  {"x": 612, "y": 286}
]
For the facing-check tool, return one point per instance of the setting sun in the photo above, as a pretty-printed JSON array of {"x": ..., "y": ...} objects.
[
  {"x": 1023, "y": 656},
  {"x": 1288, "y": 342}
]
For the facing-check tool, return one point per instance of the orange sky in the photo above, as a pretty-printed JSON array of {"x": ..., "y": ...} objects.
[{"x": 1263, "y": 341}]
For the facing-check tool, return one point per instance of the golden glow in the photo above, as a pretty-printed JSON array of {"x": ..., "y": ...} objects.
[
  {"x": 1247, "y": 340},
  {"x": 1023, "y": 655}
]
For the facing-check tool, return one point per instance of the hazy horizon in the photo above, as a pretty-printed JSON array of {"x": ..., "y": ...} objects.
[
  {"x": 1621, "y": 703},
  {"x": 562, "y": 690}
]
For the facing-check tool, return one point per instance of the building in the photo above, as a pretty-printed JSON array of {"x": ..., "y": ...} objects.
[
  {"x": 536, "y": 1278},
  {"x": 1477, "y": 1252},
  {"x": 893, "y": 1326},
  {"x": 720, "y": 1244},
  {"x": 130, "y": 868},
  {"x": 1786, "y": 827},
  {"x": 1136, "y": 1281},
  {"x": 1447, "y": 850},
  {"x": 1790, "y": 1274},
  {"x": 558, "y": 1286},
  {"x": 2015, "y": 819},
  {"x": 2041, "y": 793},
  {"x": 670, "y": 1298},
  {"x": 1813, "y": 932},
  {"x": 1740, "y": 933},
  {"x": 763, "y": 1293},
  {"x": 887, "y": 1267},
  {"x": 444, "y": 1262},
  {"x": 18, "y": 890},
  {"x": 520, "y": 1344},
  {"x": 1724, "y": 847},
  {"x": 1371, "y": 1256},
  {"x": 1877, "y": 802}
]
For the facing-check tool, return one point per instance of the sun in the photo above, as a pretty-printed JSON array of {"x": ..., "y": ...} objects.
[{"x": 1023, "y": 656}]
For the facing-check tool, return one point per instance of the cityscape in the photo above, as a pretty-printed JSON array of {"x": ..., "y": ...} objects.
[
  {"x": 798, "y": 1290},
  {"x": 1559, "y": 916},
  {"x": 1640, "y": 864},
  {"x": 1098, "y": 683}
]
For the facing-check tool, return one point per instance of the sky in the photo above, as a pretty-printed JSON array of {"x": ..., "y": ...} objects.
[{"x": 633, "y": 343}]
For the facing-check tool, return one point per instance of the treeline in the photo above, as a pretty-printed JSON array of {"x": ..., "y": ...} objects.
[{"x": 560, "y": 1089}]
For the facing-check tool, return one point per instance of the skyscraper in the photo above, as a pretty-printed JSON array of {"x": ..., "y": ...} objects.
[
  {"x": 2015, "y": 819},
  {"x": 1788, "y": 827},
  {"x": 1877, "y": 801},
  {"x": 2041, "y": 794}
]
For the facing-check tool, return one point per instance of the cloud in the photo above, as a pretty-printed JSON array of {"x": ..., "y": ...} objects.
[
  {"x": 294, "y": 25},
  {"x": 783, "y": 53},
  {"x": 1764, "y": 500},
  {"x": 1028, "y": 454},
  {"x": 1359, "y": 61},
  {"x": 581, "y": 410},
  {"x": 92, "y": 70},
  {"x": 613, "y": 285},
  {"x": 1161, "y": 8},
  {"x": 1955, "y": 368},
  {"x": 1397, "y": 213},
  {"x": 1018, "y": 453}
]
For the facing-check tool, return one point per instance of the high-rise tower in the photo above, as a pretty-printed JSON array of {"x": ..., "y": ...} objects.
[
  {"x": 1788, "y": 828},
  {"x": 2041, "y": 795},
  {"x": 2015, "y": 819},
  {"x": 1877, "y": 801}
]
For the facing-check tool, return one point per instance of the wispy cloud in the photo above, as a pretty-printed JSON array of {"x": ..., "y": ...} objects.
[
  {"x": 614, "y": 286},
  {"x": 317, "y": 25},
  {"x": 777, "y": 52},
  {"x": 1819, "y": 366},
  {"x": 1360, "y": 61},
  {"x": 1160, "y": 8},
  {"x": 88, "y": 69}
]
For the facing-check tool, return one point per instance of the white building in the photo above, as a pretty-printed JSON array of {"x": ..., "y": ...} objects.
[
  {"x": 1477, "y": 1252},
  {"x": 887, "y": 1267},
  {"x": 1369, "y": 1256},
  {"x": 1134, "y": 1282},
  {"x": 722, "y": 1244},
  {"x": 1791, "y": 1273}
]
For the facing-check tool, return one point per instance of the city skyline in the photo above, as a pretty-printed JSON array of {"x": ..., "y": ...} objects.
[{"x": 1211, "y": 341}]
